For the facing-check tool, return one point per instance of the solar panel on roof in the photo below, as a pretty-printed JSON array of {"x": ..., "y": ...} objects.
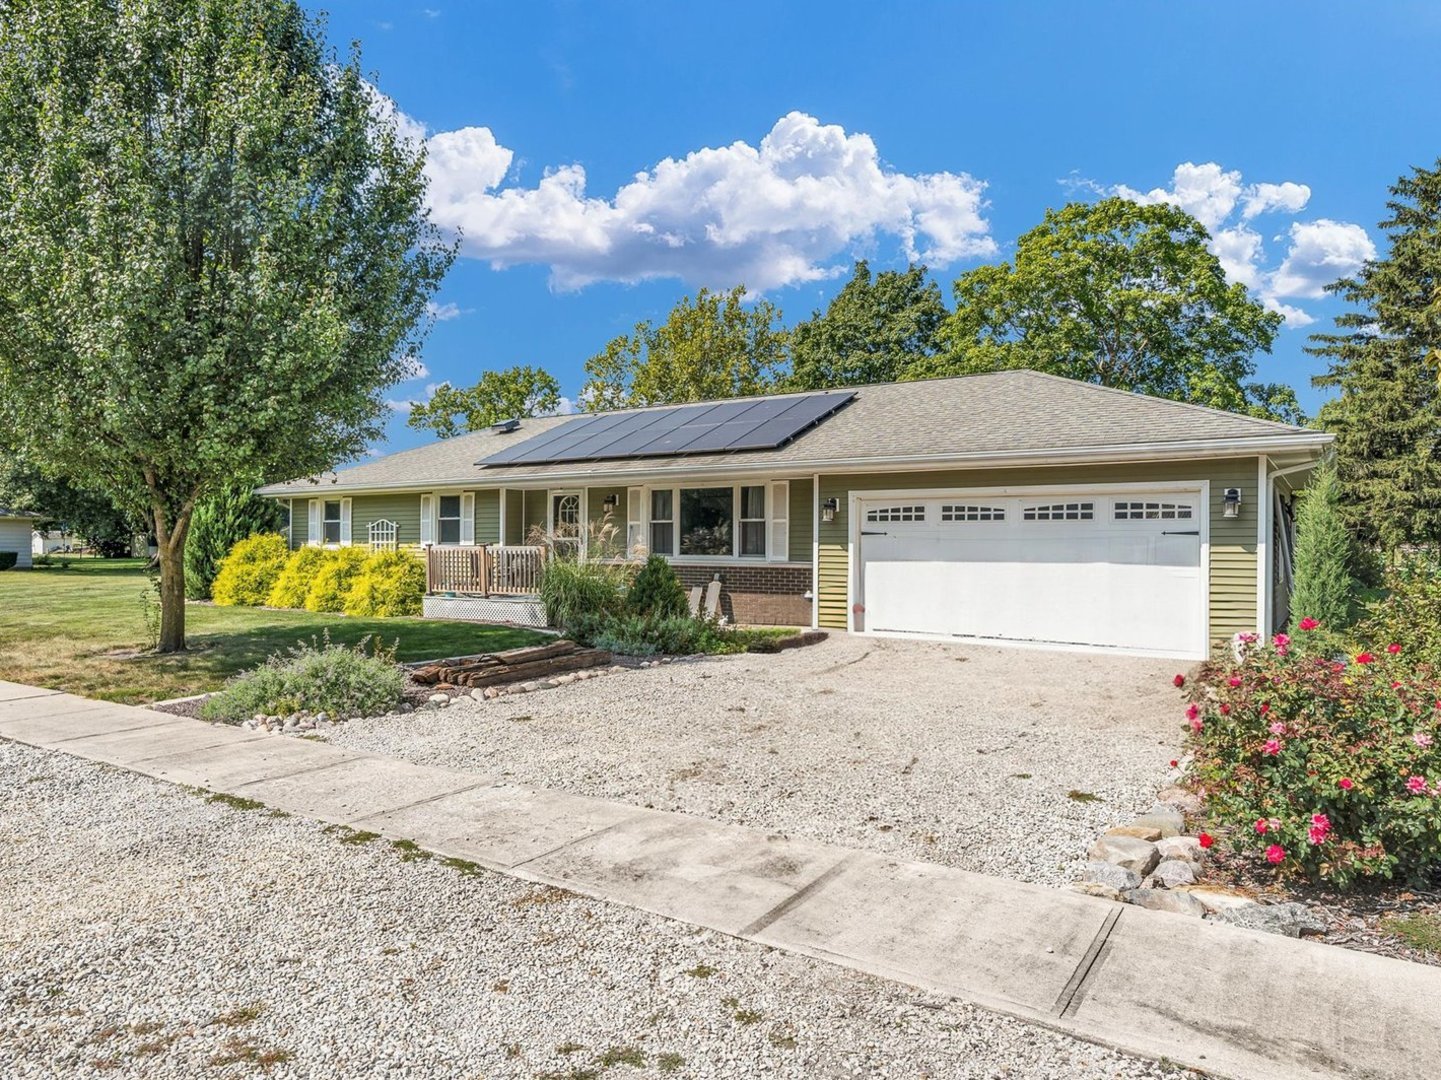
[{"x": 753, "y": 424}]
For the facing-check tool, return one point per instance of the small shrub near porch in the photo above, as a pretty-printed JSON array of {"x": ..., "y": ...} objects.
[
  {"x": 313, "y": 677},
  {"x": 249, "y": 572}
]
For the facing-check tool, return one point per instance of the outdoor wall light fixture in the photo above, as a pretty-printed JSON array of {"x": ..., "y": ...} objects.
[
  {"x": 1231, "y": 501},
  {"x": 828, "y": 510},
  {"x": 611, "y": 501}
]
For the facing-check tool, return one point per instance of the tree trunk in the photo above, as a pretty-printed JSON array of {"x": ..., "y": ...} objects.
[{"x": 170, "y": 546}]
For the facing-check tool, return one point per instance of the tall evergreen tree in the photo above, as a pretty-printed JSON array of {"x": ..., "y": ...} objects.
[
  {"x": 1324, "y": 589},
  {"x": 1385, "y": 359},
  {"x": 874, "y": 328},
  {"x": 218, "y": 524}
]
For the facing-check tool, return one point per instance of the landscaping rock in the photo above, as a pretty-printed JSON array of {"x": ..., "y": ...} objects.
[
  {"x": 1217, "y": 899},
  {"x": 1140, "y": 832},
  {"x": 1110, "y": 875},
  {"x": 1139, "y": 856},
  {"x": 439, "y": 699},
  {"x": 1187, "y": 848},
  {"x": 1173, "y": 872},
  {"x": 1095, "y": 888},
  {"x": 1181, "y": 903},
  {"x": 1163, "y": 817},
  {"x": 1180, "y": 799},
  {"x": 1291, "y": 920}
]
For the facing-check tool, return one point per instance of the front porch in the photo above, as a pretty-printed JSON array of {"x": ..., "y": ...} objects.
[{"x": 484, "y": 583}]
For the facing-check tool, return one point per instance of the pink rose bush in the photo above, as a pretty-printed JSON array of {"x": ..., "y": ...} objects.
[{"x": 1327, "y": 768}]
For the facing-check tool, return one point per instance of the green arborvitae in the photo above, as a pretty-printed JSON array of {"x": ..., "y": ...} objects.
[
  {"x": 1384, "y": 358},
  {"x": 1324, "y": 588},
  {"x": 219, "y": 523}
]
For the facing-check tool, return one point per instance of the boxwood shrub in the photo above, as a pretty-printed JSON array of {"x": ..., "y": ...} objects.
[
  {"x": 293, "y": 584},
  {"x": 332, "y": 581}
]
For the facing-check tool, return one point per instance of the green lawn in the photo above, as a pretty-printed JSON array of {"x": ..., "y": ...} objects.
[{"x": 83, "y": 630}]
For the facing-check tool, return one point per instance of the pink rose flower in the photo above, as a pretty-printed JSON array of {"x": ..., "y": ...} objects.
[
  {"x": 1278, "y": 728},
  {"x": 1196, "y": 724},
  {"x": 1320, "y": 829},
  {"x": 1192, "y": 711},
  {"x": 1225, "y": 709},
  {"x": 1393, "y": 648},
  {"x": 1365, "y": 658},
  {"x": 1179, "y": 681},
  {"x": 1309, "y": 623},
  {"x": 1422, "y": 739},
  {"x": 1416, "y": 785},
  {"x": 1281, "y": 639},
  {"x": 1345, "y": 783},
  {"x": 1275, "y": 854},
  {"x": 1262, "y": 825},
  {"x": 1234, "y": 681},
  {"x": 1272, "y": 747}
]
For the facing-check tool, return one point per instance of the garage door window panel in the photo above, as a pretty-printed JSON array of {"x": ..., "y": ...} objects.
[
  {"x": 1131, "y": 510},
  {"x": 881, "y": 515},
  {"x": 964, "y": 512},
  {"x": 1074, "y": 511}
]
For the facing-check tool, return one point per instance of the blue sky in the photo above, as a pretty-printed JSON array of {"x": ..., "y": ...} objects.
[{"x": 776, "y": 142}]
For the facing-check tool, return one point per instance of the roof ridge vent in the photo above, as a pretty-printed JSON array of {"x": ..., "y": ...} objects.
[{"x": 505, "y": 427}]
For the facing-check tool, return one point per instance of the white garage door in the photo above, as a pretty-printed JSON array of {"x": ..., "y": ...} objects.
[{"x": 1114, "y": 570}]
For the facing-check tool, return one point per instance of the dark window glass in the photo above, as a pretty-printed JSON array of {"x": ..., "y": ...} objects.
[
  {"x": 662, "y": 538},
  {"x": 706, "y": 523},
  {"x": 753, "y": 502},
  {"x": 330, "y": 527},
  {"x": 450, "y": 519}
]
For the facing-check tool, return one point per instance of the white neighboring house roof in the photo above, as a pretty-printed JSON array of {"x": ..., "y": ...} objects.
[
  {"x": 22, "y": 515},
  {"x": 971, "y": 421}
]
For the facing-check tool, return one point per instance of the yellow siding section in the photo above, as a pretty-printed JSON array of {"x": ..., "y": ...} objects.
[{"x": 1233, "y": 540}]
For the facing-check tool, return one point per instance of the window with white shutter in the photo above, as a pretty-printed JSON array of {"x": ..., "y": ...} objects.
[
  {"x": 312, "y": 534},
  {"x": 344, "y": 522},
  {"x": 634, "y": 521},
  {"x": 467, "y": 518},
  {"x": 427, "y": 519},
  {"x": 779, "y": 549}
]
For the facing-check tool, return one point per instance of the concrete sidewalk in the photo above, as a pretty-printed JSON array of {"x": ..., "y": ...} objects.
[{"x": 1228, "y": 1001}]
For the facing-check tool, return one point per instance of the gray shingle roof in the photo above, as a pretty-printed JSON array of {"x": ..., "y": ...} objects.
[{"x": 1001, "y": 415}]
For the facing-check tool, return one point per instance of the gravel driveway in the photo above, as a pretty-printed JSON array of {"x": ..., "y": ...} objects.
[
  {"x": 148, "y": 932},
  {"x": 1002, "y": 761}
]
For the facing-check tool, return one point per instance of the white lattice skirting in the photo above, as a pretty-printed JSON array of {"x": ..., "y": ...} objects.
[{"x": 520, "y": 610}]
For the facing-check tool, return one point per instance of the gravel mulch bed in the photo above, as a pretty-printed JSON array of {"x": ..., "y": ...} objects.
[
  {"x": 148, "y": 932},
  {"x": 1363, "y": 918},
  {"x": 1001, "y": 761}
]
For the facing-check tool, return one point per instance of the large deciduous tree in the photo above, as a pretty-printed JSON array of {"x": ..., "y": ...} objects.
[
  {"x": 1119, "y": 294},
  {"x": 872, "y": 330},
  {"x": 514, "y": 393},
  {"x": 214, "y": 252},
  {"x": 712, "y": 346},
  {"x": 1385, "y": 358}
]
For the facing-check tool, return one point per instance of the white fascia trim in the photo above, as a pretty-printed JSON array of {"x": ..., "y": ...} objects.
[{"x": 1208, "y": 448}]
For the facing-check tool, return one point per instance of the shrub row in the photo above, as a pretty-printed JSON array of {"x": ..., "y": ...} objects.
[{"x": 260, "y": 570}]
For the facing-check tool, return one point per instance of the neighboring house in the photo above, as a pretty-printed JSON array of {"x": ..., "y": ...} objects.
[
  {"x": 15, "y": 529},
  {"x": 47, "y": 542},
  {"x": 1013, "y": 507}
]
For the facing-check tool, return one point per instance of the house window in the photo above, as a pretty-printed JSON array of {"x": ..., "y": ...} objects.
[
  {"x": 753, "y": 520},
  {"x": 954, "y": 512},
  {"x": 707, "y": 518},
  {"x": 1076, "y": 511},
  {"x": 1152, "y": 511},
  {"x": 285, "y": 520},
  {"x": 330, "y": 522},
  {"x": 449, "y": 519},
  {"x": 896, "y": 513},
  {"x": 662, "y": 522}
]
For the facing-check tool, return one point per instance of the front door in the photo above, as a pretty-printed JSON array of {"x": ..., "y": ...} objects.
[{"x": 565, "y": 523}]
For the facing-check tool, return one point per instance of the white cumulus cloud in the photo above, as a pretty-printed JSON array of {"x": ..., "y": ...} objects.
[
  {"x": 786, "y": 211},
  {"x": 443, "y": 312},
  {"x": 1316, "y": 252}
]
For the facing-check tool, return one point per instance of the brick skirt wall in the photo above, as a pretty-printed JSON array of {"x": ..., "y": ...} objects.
[{"x": 766, "y": 594}]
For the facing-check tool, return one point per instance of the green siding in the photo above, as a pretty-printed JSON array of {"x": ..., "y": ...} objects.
[
  {"x": 1233, "y": 540},
  {"x": 514, "y": 517},
  {"x": 404, "y": 510},
  {"x": 802, "y": 513},
  {"x": 487, "y": 516}
]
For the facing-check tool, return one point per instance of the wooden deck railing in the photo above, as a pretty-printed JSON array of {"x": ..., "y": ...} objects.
[{"x": 483, "y": 569}]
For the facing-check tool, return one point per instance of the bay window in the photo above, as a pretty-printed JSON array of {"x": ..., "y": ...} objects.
[{"x": 710, "y": 522}]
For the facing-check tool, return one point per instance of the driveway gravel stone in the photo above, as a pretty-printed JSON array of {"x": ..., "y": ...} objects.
[
  {"x": 150, "y": 931},
  {"x": 1000, "y": 761}
]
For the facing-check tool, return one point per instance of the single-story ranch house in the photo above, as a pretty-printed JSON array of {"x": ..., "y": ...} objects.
[{"x": 1007, "y": 507}]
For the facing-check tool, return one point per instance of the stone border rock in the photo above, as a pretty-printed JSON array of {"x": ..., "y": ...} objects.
[{"x": 1154, "y": 863}]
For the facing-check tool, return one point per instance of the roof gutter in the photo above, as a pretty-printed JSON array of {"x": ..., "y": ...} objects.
[{"x": 1310, "y": 442}]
